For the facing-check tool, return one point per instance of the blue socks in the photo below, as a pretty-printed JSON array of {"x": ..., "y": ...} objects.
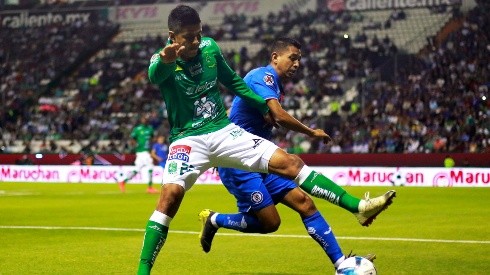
[
  {"x": 321, "y": 232},
  {"x": 315, "y": 224},
  {"x": 242, "y": 222}
]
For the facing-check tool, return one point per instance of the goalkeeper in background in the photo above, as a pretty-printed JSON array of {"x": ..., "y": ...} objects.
[{"x": 142, "y": 136}]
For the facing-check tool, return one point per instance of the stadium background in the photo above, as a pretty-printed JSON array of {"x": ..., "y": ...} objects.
[
  {"x": 67, "y": 91},
  {"x": 395, "y": 83}
]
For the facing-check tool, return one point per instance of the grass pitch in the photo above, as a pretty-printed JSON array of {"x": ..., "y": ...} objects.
[{"x": 94, "y": 229}]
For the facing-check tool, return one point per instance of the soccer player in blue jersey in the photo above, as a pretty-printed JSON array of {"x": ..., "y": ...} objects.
[
  {"x": 159, "y": 151},
  {"x": 257, "y": 193}
]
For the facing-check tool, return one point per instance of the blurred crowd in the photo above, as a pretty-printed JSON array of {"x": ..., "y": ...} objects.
[{"x": 438, "y": 106}]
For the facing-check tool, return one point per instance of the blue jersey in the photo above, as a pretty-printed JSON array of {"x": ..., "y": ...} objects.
[
  {"x": 161, "y": 150},
  {"x": 254, "y": 191},
  {"x": 264, "y": 82}
]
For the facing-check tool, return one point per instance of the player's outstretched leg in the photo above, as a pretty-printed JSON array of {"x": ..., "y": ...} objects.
[
  {"x": 369, "y": 208},
  {"x": 208, "y": 230},
  {"x": 319, "y": 186}
]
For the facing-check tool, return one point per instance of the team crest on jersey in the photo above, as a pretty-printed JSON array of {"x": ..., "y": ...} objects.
[
  {"x": 154, "y": 58},
  {"x": 179, "y": 152},
  {"x": 172, "y": 167},
  {"x": 210, "y": 62},
  {"x": 268, "y": 79},
  {"x": 257, "y": 197}
]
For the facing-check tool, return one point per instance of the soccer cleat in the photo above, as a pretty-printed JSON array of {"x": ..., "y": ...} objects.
[
  {"x": 119, "y": 179},
  {"x": 151, "y": 190},
  {"x": 207, "y": 229},
  {"x": 370, "y": 257},
  {"x": 369, "y": 208},
  {"x": 122, "y": 186}
]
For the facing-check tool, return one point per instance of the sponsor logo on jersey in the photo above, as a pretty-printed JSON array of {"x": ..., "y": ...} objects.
[
  {"x": 268, "y": 79},
  {"x": 196, "y": 69},
  {"x": 236, "y": 133},
  {"x": 257, "y": 197},
  {"x": 201, "y": 88},
  {"x": 179, "y": 152},
  {"x": 257, "y": 142}
]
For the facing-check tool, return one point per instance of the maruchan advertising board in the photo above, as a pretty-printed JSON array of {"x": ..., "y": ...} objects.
[
  {"x": 27, "y": 19},
  {"x": 345, "y": 176}
]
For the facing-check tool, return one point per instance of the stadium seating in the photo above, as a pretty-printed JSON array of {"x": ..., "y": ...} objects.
[{"x": 340, "y": 87}]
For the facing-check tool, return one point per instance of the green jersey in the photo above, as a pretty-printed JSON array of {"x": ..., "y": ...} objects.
[
  {"x": 142, "y": 134},
  {"x": 191, "y": 94}
]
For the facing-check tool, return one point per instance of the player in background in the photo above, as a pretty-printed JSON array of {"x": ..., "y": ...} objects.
[
  {"x": 159, "y": 151},
  {"x": 188, "y": 71},
  {"x": 141, "y": 138},
  {"x": 249, "y": 188}
]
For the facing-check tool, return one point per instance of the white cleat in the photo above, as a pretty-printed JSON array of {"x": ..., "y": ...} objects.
[{"x": 369, "y": 208}]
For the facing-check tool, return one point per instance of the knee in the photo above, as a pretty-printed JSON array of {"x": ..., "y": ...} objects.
[
  {"x": 172, "y": 192},
  {"x": 271, "y": 226},
  {"x": 307, "y": 206},
  {"x": 171, "y": 196},
  {"x": 293, "y": 164}
]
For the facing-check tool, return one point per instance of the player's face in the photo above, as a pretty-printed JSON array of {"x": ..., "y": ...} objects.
[
  {"x": 287, "y": 62},
  {"x": 189, "y": 37}
]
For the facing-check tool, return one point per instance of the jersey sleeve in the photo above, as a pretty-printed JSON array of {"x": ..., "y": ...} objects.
[
  {"x": 235, "y": 83},
  {"x": 159, "y": 71},
  {"x": 134, "y": 133},
  {"x": 263, "y": 85}
]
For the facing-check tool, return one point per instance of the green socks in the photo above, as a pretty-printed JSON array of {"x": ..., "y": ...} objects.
[
  {"x": 155, "y": 237},
  {"x": 322, "y": 187},
  {"x": 150, "y": 176}
]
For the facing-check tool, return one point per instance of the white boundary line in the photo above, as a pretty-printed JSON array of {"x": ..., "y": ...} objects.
[{"x": 242, "y": 234}]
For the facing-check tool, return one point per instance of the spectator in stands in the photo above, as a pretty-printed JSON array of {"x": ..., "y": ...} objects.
[{"x": 24, "y": 160}]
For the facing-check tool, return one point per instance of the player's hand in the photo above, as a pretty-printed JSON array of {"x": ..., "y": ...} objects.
[
  {"x": 269, "y": 119},
  {"x": 319, "y": 133},
  {"x": 171, "y": 52}
]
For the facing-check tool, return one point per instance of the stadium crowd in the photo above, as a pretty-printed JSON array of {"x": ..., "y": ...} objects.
[{"x": 438, "y": 106}]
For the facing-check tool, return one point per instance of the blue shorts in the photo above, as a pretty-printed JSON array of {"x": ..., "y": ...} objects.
[{"x": 254, "y": 191}]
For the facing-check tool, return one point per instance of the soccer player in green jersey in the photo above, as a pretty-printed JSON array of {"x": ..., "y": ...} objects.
[
  {"x": 187, "y": 71},
  {"x": 142, "y": 136}
]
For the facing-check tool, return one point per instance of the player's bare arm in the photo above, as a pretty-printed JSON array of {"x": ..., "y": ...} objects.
[{"x": 284, "y": 119}]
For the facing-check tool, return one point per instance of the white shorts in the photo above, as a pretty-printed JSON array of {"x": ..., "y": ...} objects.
[
  {"x": 143, "y": 159},
  {"x": 231, "y": 146}
]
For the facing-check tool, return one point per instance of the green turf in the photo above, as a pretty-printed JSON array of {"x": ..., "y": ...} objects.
[{"x": 65, "y": 230}]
